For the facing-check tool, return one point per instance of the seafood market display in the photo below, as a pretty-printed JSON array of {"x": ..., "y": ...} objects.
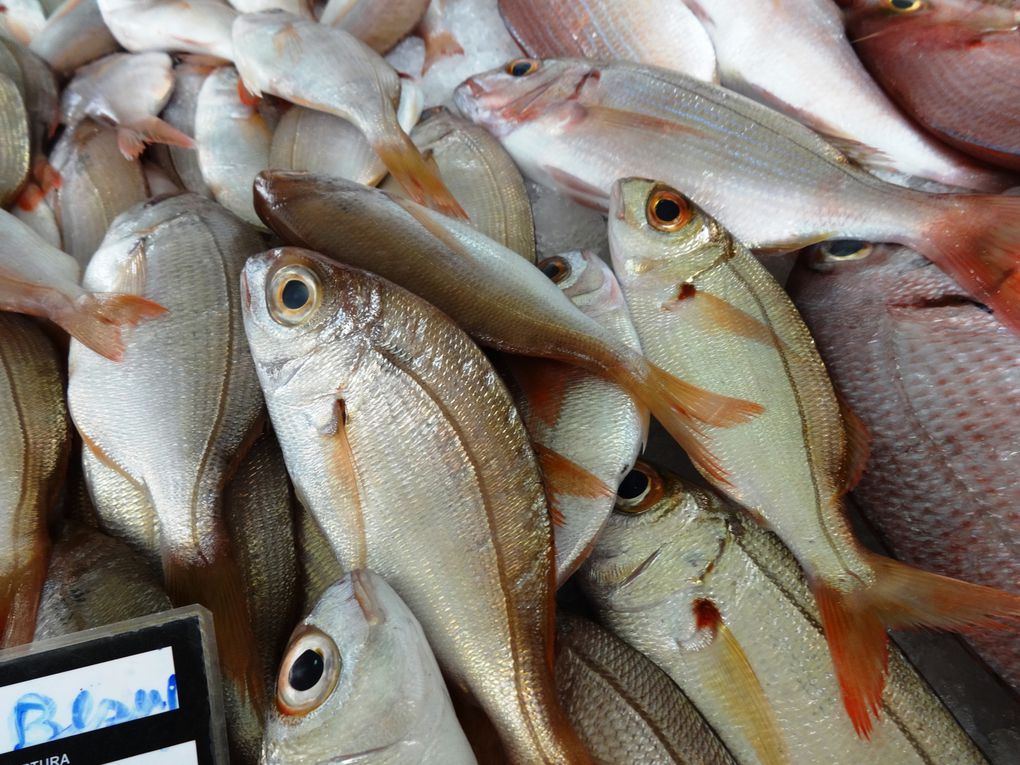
[{"x": 449, "y": 353}]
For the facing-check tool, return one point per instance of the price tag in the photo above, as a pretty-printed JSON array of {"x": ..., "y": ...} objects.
[{"x": 141, "y": 692}]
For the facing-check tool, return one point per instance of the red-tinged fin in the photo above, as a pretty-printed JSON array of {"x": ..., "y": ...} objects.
[
  {"x": 132, "y": 139},
  {"x": 421, "y": 181},
  {"x": 729, "y": 676},
  {"x": 46, "y": 175},
  {"x": 858, "y": 443},
  {"x": 544, "y": 383},
  {"x": 438, "y": 46},
  {"x": 245, "y": 96},
  {"x": 30, "y": 197},
  {"x": 19, "y": 599},
  {"x": 902, "y": 596},
  {"x": 97, "y": 320},
  {"x": 644, "y": 123},
  {"x": 579, "y": 190},
  {"x": 565, "y": 478},
  {"x": 714, "y": 313},
  {"x": 977, "y": 242}
]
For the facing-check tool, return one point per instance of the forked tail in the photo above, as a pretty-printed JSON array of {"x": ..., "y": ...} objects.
[
  {"x": 419, "y": 179},
  {"x": 97, "y": 319},
  {"x": 902, "y": 596}
]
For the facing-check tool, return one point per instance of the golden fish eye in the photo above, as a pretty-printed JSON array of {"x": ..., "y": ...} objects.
[
  {"x": 903, "y": 6},
  {"x": 667, "y": 210},
  {"x": 309, "y": 672},
  {"x": 556, "y": 268},
  {"x": 522, "y": 67},
  {"x": 293, "y": 294},
  {"x": 640, "y": 489},
  {"x": 844, "y": 250}
]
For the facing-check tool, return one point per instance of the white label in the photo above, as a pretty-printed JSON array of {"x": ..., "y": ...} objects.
[
  {"x": 88, "y": 698},
  {"x": 182, "y": 754}
]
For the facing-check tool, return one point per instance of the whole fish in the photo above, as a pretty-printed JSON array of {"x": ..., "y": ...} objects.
[
  {"x": 625, "y": 708},
  {"x": 477, "y": 170},
  {"x": 642, "y": 31},
  {"x": 178, "y": 436},
  {"x": 330, "y": 70},
  {"x": 677, "y": 573},
  {"x": 182, "y": 26},
  {"x": 94, "y": 580},
  {"x": 380, "y": 24},
  {"x": 34, "y": 442},
  {"x": 359, "y": 683},
  {"x": 580, "y": 126},
  {"x": 951, "y": 64},
  {"x": 582, "y": 426},
  {"x": 15, "y": 146},
  {"x": 439, "y": 41},
  {"x": 73, "y": 36},
  {"x": 40, "y": 280},
  {"x": 359, "y": 381},
  {"x": 936, "y": 380},
  {"x": 815, "y": 77},
  {"x": 97, "y": 183},
  {"x": 182, "y": 164},
  {"x": 705, "y": 307},
  {"x": 233, "y": 142},
  {"x": 496, "y": 295}
]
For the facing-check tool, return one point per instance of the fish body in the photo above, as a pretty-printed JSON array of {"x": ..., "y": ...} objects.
[
  {"x": 42, "y": 98},
  {"x": 42, "y": 220},
  {"x": 642, "y": 31},
  {"x": 182, "y": 164},
  {"x": 380, "y": 24},
  {"x": 379, "y": 696},
  {"x": 952, "y": 65},
  {"x": 34, "y": 444},
  {"x": 675, "y": 551},
  {"x": 21, "y": 20},
  {"x": 73, "y": 36},
  {"x": 15, "y": 146},
  {"x": 580, "y": 126},
  {"x": 330, "y": 70},
  {"x": 182, "y": 26},
  {"x": 359, "y": 383},
  {"x": 935, "y": 379}
]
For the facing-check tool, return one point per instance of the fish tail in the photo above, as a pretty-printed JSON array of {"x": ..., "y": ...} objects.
[
  {"x": 439, "y": 45},
  {"x": 96, "y": 320},
  {"x": 976, "y": 240},
  {"x": 19, "y": 599},
  {"x": 419, "y": 179},
  {"x": 901, "y": 596},
  {"x": 131, "y": 139}
]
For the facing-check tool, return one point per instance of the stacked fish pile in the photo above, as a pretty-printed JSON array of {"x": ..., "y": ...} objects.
[{"x": 347, "y": 352}]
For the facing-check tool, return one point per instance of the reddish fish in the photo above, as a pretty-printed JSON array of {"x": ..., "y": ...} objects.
[{"x": 936, "y": 380}]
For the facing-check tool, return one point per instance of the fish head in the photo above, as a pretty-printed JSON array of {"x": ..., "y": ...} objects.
[
  {"x": 928, "y": 17},
  {"x": 347, "y": 676},
  {"x": 586, "y": 279},
  {"x": 267, "y": 36},
  {"x": 521, "y": 91}
]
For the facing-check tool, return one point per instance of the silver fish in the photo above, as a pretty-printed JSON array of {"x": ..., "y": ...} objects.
[
  {"x": 182, "y": 164},
  {"x": 185, "y": 26},
  {"x": 380, "y": 24},
  {"x": 73, "y": 36}
]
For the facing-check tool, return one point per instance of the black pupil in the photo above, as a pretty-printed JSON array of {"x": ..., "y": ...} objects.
[
  {"x": 633, "y": 485},
  {"x": 903, "y": 5},
  {"x": 295, "y": 294},
  {"x": 844, "y": 248},
  {"x": 552, "y": 268},
  {"x": 667, "y": 210},
  {"x": 520, "y": 68},
  {"x": 306, "y": 671}
]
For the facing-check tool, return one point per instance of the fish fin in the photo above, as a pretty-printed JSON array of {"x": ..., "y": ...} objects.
[
  {"x": 715, "y": 313},
  {"x": 858, "y": 443},
  {"x": 544, "y": 384},
  {"x": 648, "y": 123},
  {"x": 96, "y": 320},
  {"x": 218, "y": 585},
  {"x": 564, "y": 477},
  {"x": 439, "y": 46},
  {"x": 30, "y": 197},
  {"x": 131, "y": 139},
  {"x": 855, "y": 624},
  {"x": 245, "y": 96},
  {"x": 580, "y": 191},
  {"x": 201, "y": 61},
  {"x": 46, "y": 175},
  {"x": 345, "y": 468},
  {"x": 730, "y": 677},
  {"x": 977, "y": 242},
  {"x": 420, "y": 180},
  {"x": 20, "y": 591}
]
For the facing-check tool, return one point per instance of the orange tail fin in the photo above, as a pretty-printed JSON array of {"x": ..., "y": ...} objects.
[
  {"x": 977, "y": 242},
  {"x": 131, "y": 139},
  {"x": 420, "y": 180},
  {"x": 902, "y": 596},
  {"x": 19, "y": 599},
  {"x": 98, "y": 318},
  {"x": 438, "y": 46}
]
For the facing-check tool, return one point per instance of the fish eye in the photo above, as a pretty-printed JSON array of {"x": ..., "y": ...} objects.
[
  {"x": 667, "y": 210},
  {"x": 293, "y": 294},
  {"x": 522, "y": 67},
  {"x": 903, "y": 6},
  {"x": 556, "y": 268},
  {"x": 843, "y": 250},
  {"x": 639, "y": 490},
  {"x": 308, "y": 674}
]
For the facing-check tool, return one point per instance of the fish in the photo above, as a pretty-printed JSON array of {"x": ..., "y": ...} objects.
[
  {"x": 182, "y": 164},
  {"x": 580, "y": 126},
  {"x": 439, "y": 41},
  {"x": 181, "y": 26},
  {"x": 683, "y": 576},
  {"x": 317, "y": 563},
  {"x": 21, "y": 20},
  {"x": 624, "y": 707},
  {"x": 15, "y": 147},
  {"x": 35, "y": 443},
  {"x": 359, "y": 683},
  {"x": 42, "y": 101},
  {"x": 73, "y": 36},
  {"x": 496, "y": 296},
  {"x": 303, "y": 8},
  {"x": 477, "y": 170},
  {"x": 951, "y": 65},
  {"x": 178, "y": 437},
  {"x": 642, "y": 31},
  {"x": 704, "y": 307},
  {"x": 97, "y": 183},
  {"x": 95, "y": 580},
  {"x": 126, "y": 90},
  {"x": 935, "y": 378},
  {"x": 330, "y": 70},
  {"x": 380, "y": 24},
  {"x": 358, "y": 379},
  {"x": 233, "y": 143},
  {"x": 815, "y": 77},
  {"x": 38, "y": 215},
  {"x": 39, "y": 280},
  {"x": 586, "y": 431}
]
